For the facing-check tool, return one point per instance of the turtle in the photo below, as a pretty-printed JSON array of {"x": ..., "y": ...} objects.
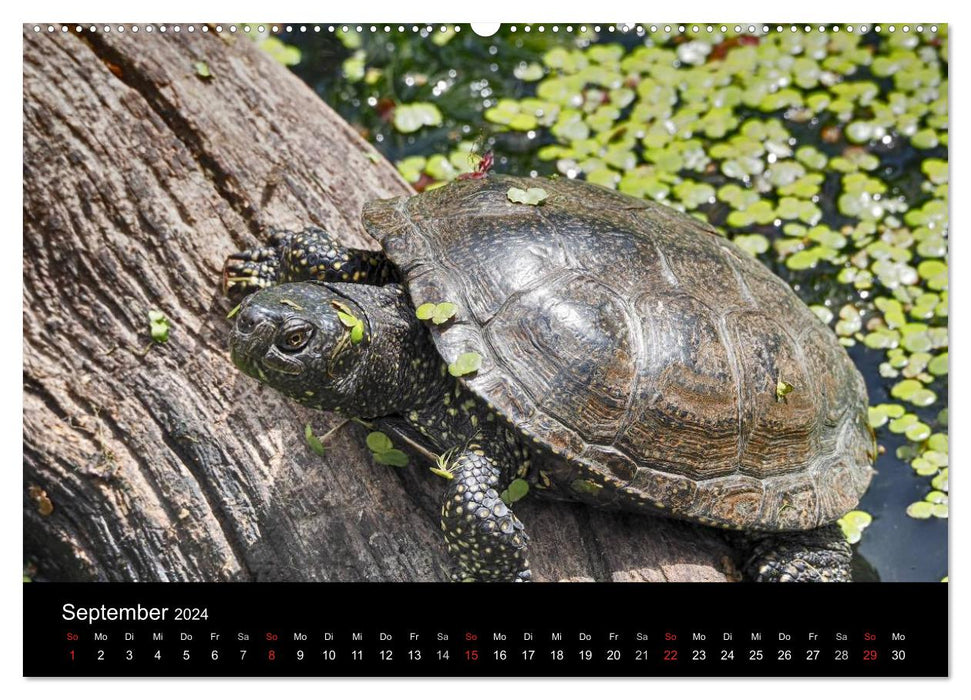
[{"x": 590, "y": 345}]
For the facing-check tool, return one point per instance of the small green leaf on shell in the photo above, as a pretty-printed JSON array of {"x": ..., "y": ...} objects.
[
  {"x": 466, "y": 363},
  {"x": 202, "y": 70},
  {"x": 782, "y": 389},
  {"x": 443, "y": 312},
  {"x": 532, "y": 196},
  {"x": 425, "y": 311},
  {"x": 357, "y": 332}
]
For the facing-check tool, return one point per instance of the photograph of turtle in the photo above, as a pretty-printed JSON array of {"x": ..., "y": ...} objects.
[
  {"x": 592, "y": 347},
  {"x": 561, "y": 303}
]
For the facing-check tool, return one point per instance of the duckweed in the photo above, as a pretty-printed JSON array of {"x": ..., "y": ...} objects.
[
  {"x": 517, "y": 489},
  {"x": 466, "y": 363},
  {"x": 853, "y": 524},
  {"x": 158, "y": 326},
  {"x": 533, "y": 196},
  {"x": 314, "y": 442},
  {"x": 384, "y": 452}
]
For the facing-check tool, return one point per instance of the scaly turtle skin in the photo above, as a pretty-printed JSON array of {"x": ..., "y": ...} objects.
[{"x": 630, "y": 358}]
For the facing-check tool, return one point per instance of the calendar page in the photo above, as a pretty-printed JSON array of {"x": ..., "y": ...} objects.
[{"x": 394, "y": 349}]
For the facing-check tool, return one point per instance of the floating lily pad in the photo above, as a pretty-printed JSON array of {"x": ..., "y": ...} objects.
[
  {"x": 409, "y": 118},
  {"x": 853, "y": 524},
  {"x": 921, "y": 510}
]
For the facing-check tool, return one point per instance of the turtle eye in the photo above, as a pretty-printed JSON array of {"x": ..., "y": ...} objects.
[{"x": 296, "y": 337}]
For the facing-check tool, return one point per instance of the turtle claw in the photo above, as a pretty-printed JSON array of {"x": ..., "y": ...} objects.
[{"x": 249, "y": 271}]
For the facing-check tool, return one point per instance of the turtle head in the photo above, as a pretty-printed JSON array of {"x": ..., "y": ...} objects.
[{"x": 336, "y": 347}]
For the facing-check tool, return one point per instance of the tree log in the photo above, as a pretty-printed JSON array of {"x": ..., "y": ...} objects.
[{"x": 148, "y": 461}]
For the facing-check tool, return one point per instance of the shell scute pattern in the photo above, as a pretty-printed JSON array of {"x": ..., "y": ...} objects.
[
  {"x": 777, "y": 436},
  {"x": 642, "y": 348},
  {"x": 574, "y": 335},
  {"x": 687, "y": 402}
]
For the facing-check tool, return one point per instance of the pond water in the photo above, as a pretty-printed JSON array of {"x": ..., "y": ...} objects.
[{"x": 823, "y": 153}]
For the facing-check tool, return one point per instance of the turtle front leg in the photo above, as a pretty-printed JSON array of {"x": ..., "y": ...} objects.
[
  {"x": 310, "y": 254},
  {"x": 819, "y": 555},
  {"x": 485, "y": 539}
]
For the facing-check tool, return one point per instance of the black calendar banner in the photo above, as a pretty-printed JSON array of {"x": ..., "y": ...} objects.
[{"x": 337, "y": 630}]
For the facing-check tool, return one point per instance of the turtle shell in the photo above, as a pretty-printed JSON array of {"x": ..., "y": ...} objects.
[{"x": 642, "y": 347}]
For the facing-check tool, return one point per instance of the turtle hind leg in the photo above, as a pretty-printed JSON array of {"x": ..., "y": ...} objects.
[
  {"x": 306, "y": 255},
  {"x": 820, "y": 555},
  {"x": 484, "y": 537}
]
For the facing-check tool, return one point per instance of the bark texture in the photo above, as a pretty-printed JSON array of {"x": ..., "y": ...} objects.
[{"x": 146, "y": 461}]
